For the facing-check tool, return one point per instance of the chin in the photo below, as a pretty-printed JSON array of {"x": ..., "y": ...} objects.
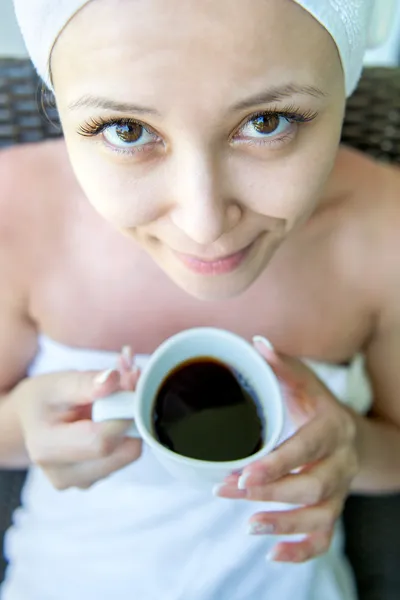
[
  {"x": 217, "y": 286},
  {"x": 214, "y": 287}
]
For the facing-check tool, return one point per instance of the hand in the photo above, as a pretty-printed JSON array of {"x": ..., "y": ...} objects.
[
  {"x": 55, "y": 414},
  {"x": 313, "y": 468}
]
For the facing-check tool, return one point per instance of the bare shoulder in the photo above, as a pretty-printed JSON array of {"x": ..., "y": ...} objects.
[
  {"x": 32, "y": 179},
  {"x": 372, "y": 209},
  {"x": 29, "y": 176},
  {"x": 368, "y": 223},
  {"x": 366, "y": 181},
  {"x": 373, "y": 204},
  {"x": 35, "y": 183}
]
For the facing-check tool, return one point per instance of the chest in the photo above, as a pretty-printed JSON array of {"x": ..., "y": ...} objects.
[{"x": 106, "y": 298}]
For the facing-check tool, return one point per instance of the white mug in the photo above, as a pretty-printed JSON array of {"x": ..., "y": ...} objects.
[{"x": 251, "y": 369}]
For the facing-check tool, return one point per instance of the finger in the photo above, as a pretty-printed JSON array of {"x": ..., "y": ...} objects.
[
  {"x": 223, "y": 490},
  {"x": 84, "y": 475},
  {"x": 128, "y": 370},
  {"x": 299, "y": 385},
  {"x": 297, "y": 552},
  {"x": 126, "y": 359},
  {"x": 105, "y": 383},
  {"x": 291, "y": 371},
  {"x": 76, "y": 442},
  {"x": 311, "y": 443},
  {"x": 304, "y": 391},
  {"x": 74, "y": 388},
  {"x": 309, "y": 487},
  {"x": 290, "y": 489},
  {"x": 129, "y": 380},
  {"x": 299, "y": 521},
  {"x": 126, "y": 452}
]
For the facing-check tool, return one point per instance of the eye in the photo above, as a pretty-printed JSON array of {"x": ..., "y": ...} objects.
[
  {"x": 128, "y": 135},
  {"x": 266, "y": 126},
  {"x": 273, "y": 127},
  {"x": 121, "y": 135}
]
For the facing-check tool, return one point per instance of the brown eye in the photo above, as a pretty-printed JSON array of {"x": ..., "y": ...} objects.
[
  {"x": 265, "y": 126},
  {"x": 266, "y": 123},
  {"x": 129, "y": 132}
]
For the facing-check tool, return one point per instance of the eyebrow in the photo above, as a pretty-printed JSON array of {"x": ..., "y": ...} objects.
[
  {"x": 279, "y": 93},
  {"x": 265, "y": 97},
  {"x": 89, "y": 101}
]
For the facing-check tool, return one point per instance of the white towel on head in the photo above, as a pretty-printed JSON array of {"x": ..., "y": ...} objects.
[{"x": 347, "y": 21}]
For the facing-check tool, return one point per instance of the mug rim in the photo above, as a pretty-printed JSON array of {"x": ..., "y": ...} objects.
[{"x": 234, "y": 465}]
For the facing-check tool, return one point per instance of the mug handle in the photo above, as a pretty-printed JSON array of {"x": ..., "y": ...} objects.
[{"x": 118, "y": 406}]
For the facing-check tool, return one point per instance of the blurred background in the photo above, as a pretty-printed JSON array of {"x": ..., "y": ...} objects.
[{"x": 385, "y": 34}]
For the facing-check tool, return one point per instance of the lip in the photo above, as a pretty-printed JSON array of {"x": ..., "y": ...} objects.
[{"x": 217, "y": 266}]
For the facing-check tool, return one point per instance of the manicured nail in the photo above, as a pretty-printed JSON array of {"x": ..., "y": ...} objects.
[
  {"x": 258, "y": 476},
  {"x": 135, "y": 370},
  {"x": 103, "y": 377},
  {"x": 126, "y": 354},
  {"x": 257, "y": 528},
  {"x": 216, "y": 489},
  {"x": 271, "y": 556},
  {"x": 243, "y": 480},
  {"x": 259, "y": 339}
]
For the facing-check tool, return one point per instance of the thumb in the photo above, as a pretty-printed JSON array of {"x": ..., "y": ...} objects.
[
  {"x": 74, "y": 389},
  {"x": 283, "y": 367},
  {"x": 294, "y": 380}
]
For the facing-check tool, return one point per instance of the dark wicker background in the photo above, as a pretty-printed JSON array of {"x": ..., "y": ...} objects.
[{"x": 372, "y": 124}]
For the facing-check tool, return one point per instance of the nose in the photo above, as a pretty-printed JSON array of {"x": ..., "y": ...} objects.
[{"x": 201, "y": 206}]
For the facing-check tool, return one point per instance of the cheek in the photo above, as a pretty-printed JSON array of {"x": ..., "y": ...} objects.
[
  {"x": 287, "y": 187},
  {"x": 124, "y": 200}
]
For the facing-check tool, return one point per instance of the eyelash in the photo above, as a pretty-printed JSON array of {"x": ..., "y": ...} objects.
[
  {"x": 292, "y": 114},
  {"x": 94, "y": 126}
]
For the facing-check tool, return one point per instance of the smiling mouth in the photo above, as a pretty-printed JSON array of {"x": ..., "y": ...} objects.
[{"x": 217, "y": 266}]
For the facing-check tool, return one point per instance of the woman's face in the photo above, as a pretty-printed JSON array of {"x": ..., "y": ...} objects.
[{"x": 204, "y": 130}]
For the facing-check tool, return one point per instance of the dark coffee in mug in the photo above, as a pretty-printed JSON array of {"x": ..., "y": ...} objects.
[{"x": 203, "y": 411}]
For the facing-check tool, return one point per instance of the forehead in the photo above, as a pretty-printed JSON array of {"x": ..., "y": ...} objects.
[{"x": 157, "y": 47}]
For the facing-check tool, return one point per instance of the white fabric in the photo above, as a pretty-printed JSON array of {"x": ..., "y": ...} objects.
[
  {"x": 348, "y": 22},
  {"x": 41, "y": 22},
  {"x": 140, "y": 534}
]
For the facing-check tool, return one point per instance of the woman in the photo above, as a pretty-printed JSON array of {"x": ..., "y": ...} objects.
[{"x": 204, "y": 145}]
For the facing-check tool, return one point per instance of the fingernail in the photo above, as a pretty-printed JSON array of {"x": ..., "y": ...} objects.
[
  {"x": 216, "y": 489},
  {"x": 257, "y": 528},
  {"x": 258, "y": 477},
  {"x": 135, "y": 370},
  {"x": 271, "y": 556},
  {"x": 126, "y": 354},
  {"x": 259, "y": 339},
  {"x": 103, "y": 377},
  {"x": 242, "y": 481}
]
